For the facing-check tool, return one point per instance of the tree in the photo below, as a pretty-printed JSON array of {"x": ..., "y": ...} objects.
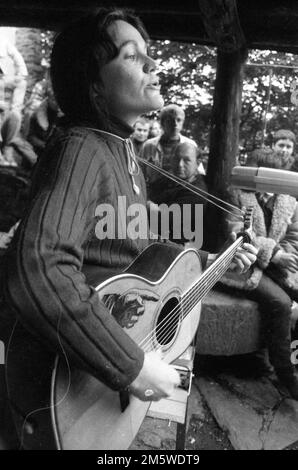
[
  {"x": 187, "y": 74},
  {"x": 266, "y": 100}
]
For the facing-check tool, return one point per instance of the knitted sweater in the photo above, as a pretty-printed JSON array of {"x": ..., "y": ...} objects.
[{"x": 45, "y": 286}]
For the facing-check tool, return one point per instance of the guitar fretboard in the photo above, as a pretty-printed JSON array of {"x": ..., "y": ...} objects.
[{"x": 209, "y": 278}]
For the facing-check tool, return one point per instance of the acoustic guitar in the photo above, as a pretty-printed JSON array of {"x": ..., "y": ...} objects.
[{"x": 56, "y": 406}]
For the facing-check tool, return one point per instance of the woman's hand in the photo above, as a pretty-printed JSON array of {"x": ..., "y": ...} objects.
[
  {"x": 244, "y": 258},
  {"x": 156, "y": 380}
]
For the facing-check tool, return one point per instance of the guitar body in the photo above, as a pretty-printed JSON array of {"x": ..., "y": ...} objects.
[{"x": 80, "y": 412}]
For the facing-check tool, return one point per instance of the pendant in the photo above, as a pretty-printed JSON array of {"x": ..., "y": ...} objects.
[{"x": 136, "y": 188}]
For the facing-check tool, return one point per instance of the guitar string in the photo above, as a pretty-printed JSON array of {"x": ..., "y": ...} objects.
[
  {"x": 189, "y": 186},
  {"x": 209, "y": 275},
  {"x": 194, "y": 189},
  {"x": 187, "y": 296},
  {"x": 207, "y": 278},
  {"x": 191, "y": 302},
  {"x": 185, "y": 309},
  {"x": 220, "y": 271}
]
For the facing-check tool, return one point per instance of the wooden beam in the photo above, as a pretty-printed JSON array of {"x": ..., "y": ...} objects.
[
  {"x": 224, "y": 135},
  {"x": 226, "y": 113},
  {"x": 222, "y": 23},
  {"x": 266, "y": 24}
]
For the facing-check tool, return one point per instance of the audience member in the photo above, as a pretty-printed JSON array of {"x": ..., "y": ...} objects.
[
  {"x": 140, "y": 134},
  {"x": 43, "y": 121},
  {"x": 38, "y": 94},
  {"x": 283, "y": 145},
  {"x": 272, "y": 281},
  {"x": 160, "y": 150},
  {"x": 185, "y": 167},
  {"x": 155, "y": 129},
  {"x": 13, "y": 75}
]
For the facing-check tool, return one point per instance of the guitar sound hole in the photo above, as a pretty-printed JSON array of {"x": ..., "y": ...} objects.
[{"x": 167, "y": 322}]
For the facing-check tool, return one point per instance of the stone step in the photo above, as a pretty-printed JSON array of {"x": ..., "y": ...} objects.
[{"x": 255, "y": 414}]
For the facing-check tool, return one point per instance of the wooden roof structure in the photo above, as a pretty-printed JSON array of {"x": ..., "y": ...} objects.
[{"x": 270, "y": 24}]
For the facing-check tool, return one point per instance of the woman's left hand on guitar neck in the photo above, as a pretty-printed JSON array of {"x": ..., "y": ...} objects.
[{"x": 244, "y": 258}]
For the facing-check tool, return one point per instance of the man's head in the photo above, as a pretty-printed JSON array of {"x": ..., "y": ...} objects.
[
  {"x": 283, "y": 145},
  {"x": 172, "y": 120},
  {"x": 141, "y": 130},
  {"x": 185, "y": 160},
  {"x": 154, "y": 129}
]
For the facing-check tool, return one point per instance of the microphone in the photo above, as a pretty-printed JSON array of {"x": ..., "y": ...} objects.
[{"x": 265, "y": 180}]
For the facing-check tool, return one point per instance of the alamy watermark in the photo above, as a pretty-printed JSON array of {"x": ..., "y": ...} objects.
[{"x": 135, "y": 221}]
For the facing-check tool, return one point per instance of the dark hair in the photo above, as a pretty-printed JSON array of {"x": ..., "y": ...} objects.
[
  {"x": 79, "y": 53},
  {"x": 284, "y": 134}
]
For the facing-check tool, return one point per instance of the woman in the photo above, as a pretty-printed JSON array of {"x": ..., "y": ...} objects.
[{"x": 103, "y": 79}]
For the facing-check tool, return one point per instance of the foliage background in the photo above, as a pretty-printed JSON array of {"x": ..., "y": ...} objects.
[{"x": 187, "y": 74}]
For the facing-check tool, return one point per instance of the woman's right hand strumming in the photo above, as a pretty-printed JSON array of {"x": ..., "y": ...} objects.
[{"x": 156, "y": 380}]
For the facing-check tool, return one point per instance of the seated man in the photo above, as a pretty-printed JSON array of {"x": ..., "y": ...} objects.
[
  {"x": 185, "y": 167},
  {"x": 273, "y": 281}
]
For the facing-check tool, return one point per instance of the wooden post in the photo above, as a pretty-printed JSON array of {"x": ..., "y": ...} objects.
[
  {"x": 226, "y": 113},
  {"x": 224, "y": 135}
]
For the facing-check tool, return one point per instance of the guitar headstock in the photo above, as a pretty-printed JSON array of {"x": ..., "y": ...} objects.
[
  {"x": 247, "y": 218},
  {"x": 247, "y": 225}
]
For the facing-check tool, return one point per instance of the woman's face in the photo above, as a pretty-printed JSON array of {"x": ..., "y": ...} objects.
[{"x": 130, "y": 81}]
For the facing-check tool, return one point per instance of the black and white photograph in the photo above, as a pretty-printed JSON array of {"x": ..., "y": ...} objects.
[{"x": 148, "y": 228}]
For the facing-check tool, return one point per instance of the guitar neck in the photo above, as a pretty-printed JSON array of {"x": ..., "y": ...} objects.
[{"x": 211, "y": 275}]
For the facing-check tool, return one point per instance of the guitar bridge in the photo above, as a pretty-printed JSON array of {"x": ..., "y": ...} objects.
[{"x": 186, "y": 376}]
